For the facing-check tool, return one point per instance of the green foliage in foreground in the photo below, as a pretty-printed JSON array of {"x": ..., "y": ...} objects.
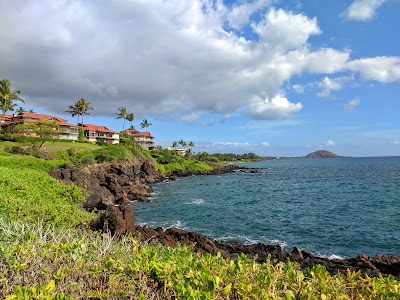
[
  {"x": 74, "y": 264},
  {"x": 28, "y": 193}
]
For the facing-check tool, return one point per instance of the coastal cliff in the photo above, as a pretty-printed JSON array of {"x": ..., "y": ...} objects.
[{"x": 111, "y": 186}]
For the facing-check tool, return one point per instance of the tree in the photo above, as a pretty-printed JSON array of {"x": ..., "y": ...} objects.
[
  {"x": 7, "y": 96},
  {"x": 74, "y": 110},
  {"x": 130, "y": 117},
  {"x": 191, "y": 145},
  {"x": 85, "y": 106},
  {"x": 20, "y": 110},
  {"x": 122, "y": 114},
  {"x": 80, "y": 108},
  {"x": 42, "y": 131},
  {"x": 31, "y": 110},
  {"x": 145, "y": 124},
  {"x": 182, "y": 143},
  {"x": 174, "y": 144}
]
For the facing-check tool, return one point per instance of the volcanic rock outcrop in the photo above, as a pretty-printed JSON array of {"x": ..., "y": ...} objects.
[{"x": 110, "y": 187}]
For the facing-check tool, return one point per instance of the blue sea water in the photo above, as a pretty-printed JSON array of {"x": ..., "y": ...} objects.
[{"x": 331, "y": 207}]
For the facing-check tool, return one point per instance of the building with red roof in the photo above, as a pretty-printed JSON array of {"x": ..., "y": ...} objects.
[
  {"x": 144, "y": 139},
  {"x": 96, "y": 133},
  {"x": 66, "y": 130}
]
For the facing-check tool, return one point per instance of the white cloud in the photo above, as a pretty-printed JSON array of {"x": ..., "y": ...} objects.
[
  {"x": 352, "y": 104},
  {"x": 298, "y": 88},
  {"x": 275, "y": 108},
  {"x": 332, "y": 84},
  {"x": 264, "y": 144},
  {"x": 395, "y": 142},
  {"x": 329, "y": 143},
  {"x": 362, "y": 10},
  {"x": 240, "y": 14},
  {"x": 383, "y": 69},
  {"x": 285, "y": 30},
  {"x": 165, "y": 57}
]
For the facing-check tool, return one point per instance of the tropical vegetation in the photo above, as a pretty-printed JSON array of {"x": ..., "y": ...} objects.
[
  {"x": 81, "y": 108},
  {"x": 48, "y": 252},
  {"x": 7, "y": 97}
]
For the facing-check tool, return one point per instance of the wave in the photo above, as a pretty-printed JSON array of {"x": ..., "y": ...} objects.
[{"x": 196, "y": 201}]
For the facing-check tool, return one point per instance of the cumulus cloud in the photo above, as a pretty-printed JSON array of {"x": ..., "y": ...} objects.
[
  {"x": 286, "y": 30},
  {"x": 275, "y": 108},
  {"x": 166, "y": 57},
  {"x": 239, "y": 15},
  {"x": 383, "y": 69},
  {"x": 352, "y": 104},
  {"x": 332, "y": 84},
  {"x": 362, "y": 10}
]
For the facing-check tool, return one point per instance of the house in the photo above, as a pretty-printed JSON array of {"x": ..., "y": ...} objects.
[
  {"x": 144, "y": 139},
  {"x": 66, "y": 130},
  {"x": 6, "y": 118},
  {"x": 96, "y": 133},
  {"x": 180, "y": 152}
]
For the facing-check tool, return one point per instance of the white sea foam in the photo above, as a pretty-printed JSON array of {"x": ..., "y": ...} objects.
[
  {"x": 241, "y": 238},
  {"x": 283, "y": 244},
  {"x": 332, "y": 256},
  {"x": 196, "y": 201}
]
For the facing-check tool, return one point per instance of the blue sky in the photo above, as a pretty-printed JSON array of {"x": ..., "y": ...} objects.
[{"x": 279, "y": 78}]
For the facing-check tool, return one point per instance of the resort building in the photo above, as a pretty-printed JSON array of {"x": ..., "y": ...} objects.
[
  {"x": 180, "y": 152},
  {"x": 144, "y": 139},
  {"x": 95, "y": 133},
  {"x": 66, "y": 130}
]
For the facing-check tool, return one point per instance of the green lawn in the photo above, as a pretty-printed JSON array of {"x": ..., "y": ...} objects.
[{"x": 65, "y": 145}]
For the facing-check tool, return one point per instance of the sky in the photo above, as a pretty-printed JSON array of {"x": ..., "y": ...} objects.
[{"x": 277, "y": 78}]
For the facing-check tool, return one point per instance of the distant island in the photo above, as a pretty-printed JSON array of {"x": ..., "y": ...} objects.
[{"x": 322, "y": 154}]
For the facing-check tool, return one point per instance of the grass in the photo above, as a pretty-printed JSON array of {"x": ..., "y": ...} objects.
[{"x": 64, "y": 144}]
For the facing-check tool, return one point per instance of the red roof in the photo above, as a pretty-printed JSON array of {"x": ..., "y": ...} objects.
[
  {"x": 136, "y": 133},
  {"x": 28, "y": 117},
  {"x": 41, "y": 117},
  {"x": 92, "y": 127}
]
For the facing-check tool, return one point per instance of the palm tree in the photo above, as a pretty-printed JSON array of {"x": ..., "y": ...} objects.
[
  {"x": 130, "y": 117},
  {"x": 191, "y": 145},
  {"x": 20, "y": 110},
  {"x": 145, "y": 124},
  {"x": 85, "y": 106},
  {"x": 122, "y": 114},
  {"x": 80, "y": 108},
  {"x": 31, "y": 110},
  {"x": 75, "y": 110},
  {"x": 182, "y": 143},
  {"x": 174, "y": 144},
  {"x": 7, "y": 96}
]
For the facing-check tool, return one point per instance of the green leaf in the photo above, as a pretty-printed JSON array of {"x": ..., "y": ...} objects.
[
  {"x": 289, "y": 295},
  {"x": 51, "y": 285}
]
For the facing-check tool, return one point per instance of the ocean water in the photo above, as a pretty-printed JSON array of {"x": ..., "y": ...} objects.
[{"x": 331, "y": 207}]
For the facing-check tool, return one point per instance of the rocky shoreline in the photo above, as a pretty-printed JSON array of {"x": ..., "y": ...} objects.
[{"x": 111, "y": 186}]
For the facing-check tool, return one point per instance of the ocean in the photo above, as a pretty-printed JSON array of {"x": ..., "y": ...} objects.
[{"x": 335, "y": 208}]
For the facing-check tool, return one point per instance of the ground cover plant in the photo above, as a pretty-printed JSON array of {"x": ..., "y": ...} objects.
[
  {"x": 28, "y": 193},
  {"x": 74, "y": 264}
]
